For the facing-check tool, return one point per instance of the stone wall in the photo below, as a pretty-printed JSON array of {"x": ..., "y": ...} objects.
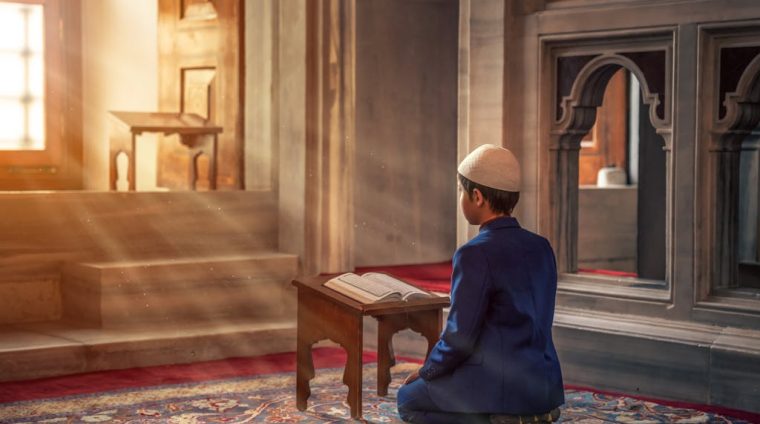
[{"x": 406, "y": 131}]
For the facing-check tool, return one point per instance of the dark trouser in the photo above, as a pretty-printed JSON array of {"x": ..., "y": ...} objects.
[{"x": 416, "y": 406}]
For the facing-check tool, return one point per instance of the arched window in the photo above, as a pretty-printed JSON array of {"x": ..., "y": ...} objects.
[{"x": 609, "y": 162}]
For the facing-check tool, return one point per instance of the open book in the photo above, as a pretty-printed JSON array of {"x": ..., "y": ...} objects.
[{"x": 374, "y": 287}]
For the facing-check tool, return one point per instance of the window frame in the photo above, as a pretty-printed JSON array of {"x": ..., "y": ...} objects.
[
  {"x": 710, "y": 295},
  {"x": 59, "y": 165},
  {"x": 559, "y": 188}
]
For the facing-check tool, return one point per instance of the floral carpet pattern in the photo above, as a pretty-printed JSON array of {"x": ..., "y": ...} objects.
[{"x": 270, "y": 398}]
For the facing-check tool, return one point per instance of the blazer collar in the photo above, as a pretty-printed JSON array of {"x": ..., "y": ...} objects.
[{"x": 501, "y": 222}]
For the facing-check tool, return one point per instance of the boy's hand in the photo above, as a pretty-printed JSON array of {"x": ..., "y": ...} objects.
[{"x": 411, "y": 377}]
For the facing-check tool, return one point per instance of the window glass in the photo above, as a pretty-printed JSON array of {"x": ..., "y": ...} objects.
[{"x": 23, "y": 78}]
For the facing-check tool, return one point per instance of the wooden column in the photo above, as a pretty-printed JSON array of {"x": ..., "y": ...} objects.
[{"x": 330, "y": 132}]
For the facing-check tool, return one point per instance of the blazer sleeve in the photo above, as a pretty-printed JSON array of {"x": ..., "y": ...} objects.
[{"x": 469, "y": 296}]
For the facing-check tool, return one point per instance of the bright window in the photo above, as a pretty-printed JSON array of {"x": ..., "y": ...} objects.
[{"x": 22, "y": 111}]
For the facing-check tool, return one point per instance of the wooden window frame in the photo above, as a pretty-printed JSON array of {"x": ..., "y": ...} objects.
[{"x": 59, "y": 165}]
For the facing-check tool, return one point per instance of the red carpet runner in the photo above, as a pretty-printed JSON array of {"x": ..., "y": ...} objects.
[{"x": 168, "y": 374}]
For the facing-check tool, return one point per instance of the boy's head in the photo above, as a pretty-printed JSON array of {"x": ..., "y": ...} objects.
[{"x": 490, "y": 177}]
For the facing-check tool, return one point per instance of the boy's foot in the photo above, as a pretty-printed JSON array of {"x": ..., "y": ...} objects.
[{"x": 548, "y": 417}]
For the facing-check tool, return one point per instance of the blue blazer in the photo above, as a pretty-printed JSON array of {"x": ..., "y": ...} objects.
[{"x": 496, "y": 353}]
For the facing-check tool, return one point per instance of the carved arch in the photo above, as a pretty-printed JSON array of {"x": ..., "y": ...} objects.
[
  {"x": 743, "y": 105},
  {"x": 587, "y": 92},
  {"x": 578, "y": 107}
]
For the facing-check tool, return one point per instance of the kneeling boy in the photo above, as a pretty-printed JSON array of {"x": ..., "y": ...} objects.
[{"x": 495, "y": 359}]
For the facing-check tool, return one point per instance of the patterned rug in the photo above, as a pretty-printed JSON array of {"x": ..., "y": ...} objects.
[{"x": 270, "y": 398}]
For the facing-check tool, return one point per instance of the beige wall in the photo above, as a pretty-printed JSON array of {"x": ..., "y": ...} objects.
[
  {"x": 120, "y": 72},
  {"x": 291, "y": 125},
  {"x": 260, "y": 107},
  {"x": 406, "y": 133},
  {"x": 481, "y": 78},
  {"x": 607, "y": 228}
]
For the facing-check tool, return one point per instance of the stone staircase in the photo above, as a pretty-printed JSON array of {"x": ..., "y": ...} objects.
[
  {"x": 123, "y": 314},
  {"x": 119, "y": 294}
]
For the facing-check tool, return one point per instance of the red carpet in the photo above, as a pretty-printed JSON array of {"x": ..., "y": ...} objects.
[
  {"x": 168, "y": 374},
  {"x": 437, "y": 277},
  {"x": 608, "y": 272},
  {"x": 433, "y": 277}
]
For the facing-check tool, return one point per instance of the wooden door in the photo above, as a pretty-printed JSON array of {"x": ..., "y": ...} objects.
[
  {"x": 201, "y": 71},
  {"x": 607, "y": 141}
]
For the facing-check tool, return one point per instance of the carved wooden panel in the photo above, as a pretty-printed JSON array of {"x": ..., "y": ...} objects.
[
  {"x": 198, "y": 91},
  {"x": 198, "y": 9},
  {"x": 201, "y": 71}
]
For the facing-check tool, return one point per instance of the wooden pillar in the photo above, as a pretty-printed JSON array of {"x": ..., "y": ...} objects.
[{"x": 330, "y": 133}]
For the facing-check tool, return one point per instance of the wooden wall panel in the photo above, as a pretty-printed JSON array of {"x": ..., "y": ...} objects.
[
  {"x": 196, "y": 39},
  {"x": 198, "y": 91}
]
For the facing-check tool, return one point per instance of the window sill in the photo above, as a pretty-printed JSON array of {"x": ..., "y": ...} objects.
[
  {"x": 619, "y": 287},
  {"x": 738, "y": 299}
]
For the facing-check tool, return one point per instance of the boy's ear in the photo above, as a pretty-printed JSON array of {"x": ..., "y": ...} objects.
[{"x": 477, "y": 197}]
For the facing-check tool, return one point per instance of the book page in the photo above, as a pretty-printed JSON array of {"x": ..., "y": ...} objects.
[
  {"x": 373, "y": 287},
  {"x": 361, "y": 289},
  {"x": 406, "y": 290}
]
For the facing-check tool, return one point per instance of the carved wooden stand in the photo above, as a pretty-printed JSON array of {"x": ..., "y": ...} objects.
[
  {"x": 325, "y": 314},
  {"x": 195, "y": 133}
]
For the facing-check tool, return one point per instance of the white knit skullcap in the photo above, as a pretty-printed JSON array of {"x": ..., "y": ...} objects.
[{"x": 492, "y": 166}]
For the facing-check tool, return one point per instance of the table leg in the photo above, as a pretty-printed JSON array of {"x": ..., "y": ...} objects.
[
  {"x": 387, "y": 326},
  {"x": 427, "y": 323},
  {"x": 131, "y": 169},
  {"x": 304, "y": 373},
  {"x": 112, "y": 170},
  {"x": 192, "y": 171},
  {"x": 352, "y": 375},
  {"x": 212, "y": 164},
  {"x": 304, "y": 361}
]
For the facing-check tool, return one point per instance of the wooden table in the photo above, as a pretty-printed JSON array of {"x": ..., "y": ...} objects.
[
  {"x": 326, "y": 314},
  {"x": 195, "y": 133}
]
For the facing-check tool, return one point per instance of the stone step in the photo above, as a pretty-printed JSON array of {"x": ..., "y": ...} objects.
[
  {"x": 128, "y": 293},
  {"x": 29, "y": 351}
]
